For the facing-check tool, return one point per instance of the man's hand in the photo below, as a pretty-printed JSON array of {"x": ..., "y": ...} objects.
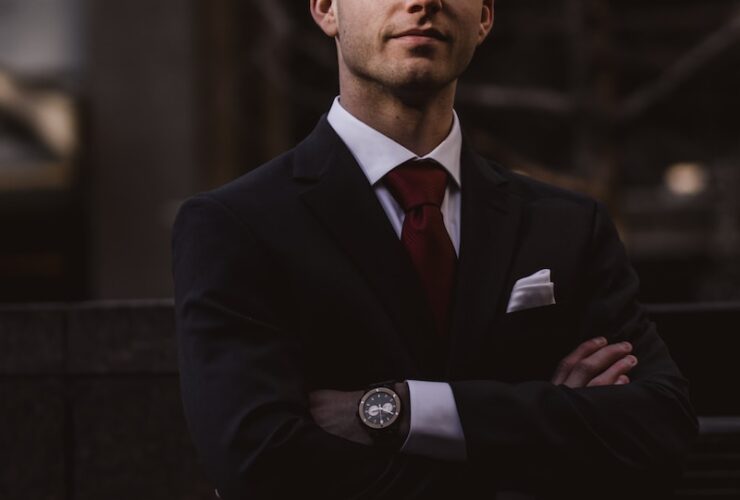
[
  {"x": 336, "y": 413},
  {"x": 595, "y": 363}
]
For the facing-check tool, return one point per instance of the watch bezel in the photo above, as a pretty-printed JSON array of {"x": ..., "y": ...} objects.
[{"x": 392, "y": 420}]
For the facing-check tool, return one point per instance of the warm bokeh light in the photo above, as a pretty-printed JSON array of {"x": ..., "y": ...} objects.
[{"x": 686, "y": 178}]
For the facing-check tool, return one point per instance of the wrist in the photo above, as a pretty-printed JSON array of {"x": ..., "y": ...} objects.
[
  {"x": 402, "y": 389},
  {"x": 383, "y": 411}
]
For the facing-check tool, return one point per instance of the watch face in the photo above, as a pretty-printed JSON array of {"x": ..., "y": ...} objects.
[{"x": 379, "y": 408}]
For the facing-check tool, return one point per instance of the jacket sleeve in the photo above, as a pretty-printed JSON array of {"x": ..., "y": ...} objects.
[
  {"x": 542, "y": 437},
  {"x": 243, "y": 383}
]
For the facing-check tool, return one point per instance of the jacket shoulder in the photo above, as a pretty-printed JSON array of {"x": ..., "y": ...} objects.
[
  {"x": 278, "y": 182},
  {"x": 256, "y": 192},
  {"x": 535, "y": 191}
]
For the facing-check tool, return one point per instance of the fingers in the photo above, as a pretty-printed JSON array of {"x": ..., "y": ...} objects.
[
  {"x": 590, "y": 367},
  {"x": 566, "y": 365},
  {"x": 593, "y": 363},
  {"x": 616, "y": 373}
]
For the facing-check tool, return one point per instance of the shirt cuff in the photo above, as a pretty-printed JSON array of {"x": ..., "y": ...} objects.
[{"x": 435, "y": 428}]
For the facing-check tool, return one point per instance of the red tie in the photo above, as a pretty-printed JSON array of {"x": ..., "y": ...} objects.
[{"x": 419, "y": 187}]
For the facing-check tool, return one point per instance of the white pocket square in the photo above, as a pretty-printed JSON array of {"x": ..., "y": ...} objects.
[{"x": 532, "y": 291}]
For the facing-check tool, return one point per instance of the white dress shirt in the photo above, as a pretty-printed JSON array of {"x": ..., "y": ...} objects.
[{"x": 435, "y": 430}]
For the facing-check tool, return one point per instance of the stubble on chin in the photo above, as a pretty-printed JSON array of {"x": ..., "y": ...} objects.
[
  {"x": 415, "y": 71},
  {"x": 422, "y": 77},
  {"x": 394, "y": 70}
]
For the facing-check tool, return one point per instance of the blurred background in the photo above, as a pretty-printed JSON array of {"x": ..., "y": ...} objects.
[
  {"x": 111, "y": 113},
  {"x": 114, "y": 112}
]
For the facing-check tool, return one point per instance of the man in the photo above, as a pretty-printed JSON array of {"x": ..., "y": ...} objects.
[{"x": 381, "y": 313}]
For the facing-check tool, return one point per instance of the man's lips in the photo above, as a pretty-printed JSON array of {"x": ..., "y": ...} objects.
[{"x": 430, "y": 33}]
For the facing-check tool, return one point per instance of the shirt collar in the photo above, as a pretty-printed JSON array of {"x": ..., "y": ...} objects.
[{"x": 378, "y": 154}]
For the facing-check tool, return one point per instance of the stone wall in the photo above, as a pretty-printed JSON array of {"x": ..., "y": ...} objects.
[{"x": 90, "y": 404}]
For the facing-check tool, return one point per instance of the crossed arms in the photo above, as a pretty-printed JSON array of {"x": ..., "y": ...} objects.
[
  {"x": 594, "y": 363},
  {"x": 247, "y": 404}
]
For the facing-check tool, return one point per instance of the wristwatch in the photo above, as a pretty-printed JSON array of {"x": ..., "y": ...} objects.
[{"x": 379, "y": 411}]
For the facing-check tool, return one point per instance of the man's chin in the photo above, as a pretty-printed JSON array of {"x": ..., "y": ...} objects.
[
  {"x": 423, "y": 82},
  {"x": 410, "y": 81},
  {"x": 418, "y": 74}
]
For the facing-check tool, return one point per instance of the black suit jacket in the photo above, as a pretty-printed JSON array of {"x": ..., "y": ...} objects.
[{"x": 291, "y": 279}]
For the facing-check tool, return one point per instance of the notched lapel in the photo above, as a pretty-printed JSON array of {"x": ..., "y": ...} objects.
[
  {"x": 341, "y": 197},
  {"x": 491, "y": 218}
]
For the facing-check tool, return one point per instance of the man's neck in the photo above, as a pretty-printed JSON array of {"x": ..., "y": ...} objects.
[{"x": 419, "y": 125}]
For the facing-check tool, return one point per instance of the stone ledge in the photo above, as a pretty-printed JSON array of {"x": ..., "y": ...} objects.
[{"x": 88, "y": 338}]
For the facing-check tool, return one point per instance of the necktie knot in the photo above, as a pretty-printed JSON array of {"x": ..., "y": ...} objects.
[{"x": 417, "y": 183}]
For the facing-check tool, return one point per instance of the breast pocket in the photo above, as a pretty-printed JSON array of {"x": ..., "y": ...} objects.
[{"x": 528, "y": 344}]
